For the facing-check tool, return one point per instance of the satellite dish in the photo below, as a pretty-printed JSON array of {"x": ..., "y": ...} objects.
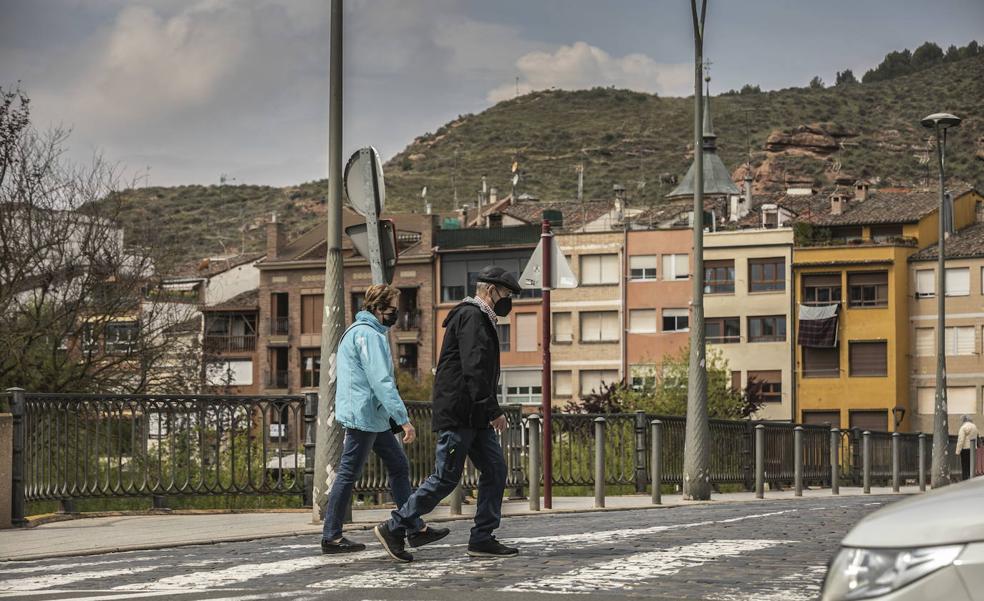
[
  {"x": 515, "y": 179},
  {"x": 364, "y": 182}
]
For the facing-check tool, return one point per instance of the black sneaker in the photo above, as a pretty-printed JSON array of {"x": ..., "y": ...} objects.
[
  {"x": 491, "y": 548},
  {"x": 431, "y": 535},
  {"x": 392, "y": 543},
  {"x": 343, "y": 545}
]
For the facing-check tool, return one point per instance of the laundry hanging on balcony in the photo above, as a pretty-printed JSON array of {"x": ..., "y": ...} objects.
[{"x": 818, "y": 326}]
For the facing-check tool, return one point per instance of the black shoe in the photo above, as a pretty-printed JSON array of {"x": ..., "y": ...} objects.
[
  {"x": 392, "y": 543},
  {"x": 341, "y": 546},
  {"x": 431, "y": 535},
  {"x": 491, "y": 548}
]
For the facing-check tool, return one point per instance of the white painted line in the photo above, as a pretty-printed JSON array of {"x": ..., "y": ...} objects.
[
  {"x": 397, "y": 576},
  {"x": 626, "y": 572},
  {"x": 35, "y": 583},
  {"x": 37, "y": 567},
  {"x": 114, "y": 596}
]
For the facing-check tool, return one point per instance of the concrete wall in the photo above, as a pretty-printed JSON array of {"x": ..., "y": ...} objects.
[
  {"x": 745, "y": 356},
  {"x": 228, "y": 284}
]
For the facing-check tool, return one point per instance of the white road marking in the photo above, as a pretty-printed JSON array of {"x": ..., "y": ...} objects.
[
  {"x": 626, "y": 572},
  {"x": 34, "y": 569},
  {"x": 34, "y": 583},
  {"x": 400, "y": 576}
]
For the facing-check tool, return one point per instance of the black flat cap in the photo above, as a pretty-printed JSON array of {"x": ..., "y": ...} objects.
[{"x": 497, "y": 275}]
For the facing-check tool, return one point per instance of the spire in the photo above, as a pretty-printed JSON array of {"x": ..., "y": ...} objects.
[{"x": 709, "y": 136}]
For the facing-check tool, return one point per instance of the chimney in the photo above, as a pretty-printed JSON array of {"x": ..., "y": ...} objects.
[
  {"x": 861, "y": 190},
  {"x": 428, "y": 209},
  {"x": 748, "y": 192},
  {"x": 837, "y": 204},
  {"x": 493, "y": 196},
  {"x": 276, "y": 238}
]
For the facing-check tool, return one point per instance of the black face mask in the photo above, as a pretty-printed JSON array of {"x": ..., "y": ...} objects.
[
  {"x": 503, "y": 306},
  {"x": 389, "y": 319}
]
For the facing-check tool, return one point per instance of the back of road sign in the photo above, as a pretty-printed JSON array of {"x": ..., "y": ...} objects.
[{"x": 561, "y": 273}]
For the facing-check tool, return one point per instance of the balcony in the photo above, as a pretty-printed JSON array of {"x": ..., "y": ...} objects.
[
  {"x": 409, "y": 320},
  {"x": 277, "y": 379},
  {"x": 279, "y": 326},
  {"x": 221, "y": 343}
]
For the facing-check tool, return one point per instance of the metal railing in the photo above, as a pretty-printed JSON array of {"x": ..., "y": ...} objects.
[
  {"x": 279, "y": 326},
  {"x": 277, "y": 378},
  {"x": 409, "y": 320},
  {"x": 221, "y": 343}
]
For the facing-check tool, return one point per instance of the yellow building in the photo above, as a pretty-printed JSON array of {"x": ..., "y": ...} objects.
[{"x": 854, "y": 254}]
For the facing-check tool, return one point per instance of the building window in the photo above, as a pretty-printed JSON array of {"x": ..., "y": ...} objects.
[
  {"x": 736, "y": 381},
  {"x": 875, "y": 420},
  {"x": 643, "y": 377},
  {"x": 960, "y": 400},
  {"x": 562, "y": 384},
  {"x": 312, "y": 309},
  {"x": 599, "y": 269},
  {"x": 676, "y": 267},
  {"x": 925, "y": 283},
  {"x": 867, "y": 289},
  {"x": 522, "y": 387},
  {"x": 503, "y": 330},
  {"x": 676, "y": 320},
  {"x": 868, "y": 358},
  {"x": 526, "y": 332},
  {"x": 821, "y": 362},
  {"x": 723, "y": 330},
  {"x": 884, "y": 233},
  {"x": 821, "y": 289},
  {"x": 279, "y": 314},
  {"x": 767, "y": 328},
  {"x": 719, "y": 277},
  {"x": 599, "y": 326},
  {"x": 958, "y": 281},
  {"x": 960, "y": 340},
  {"x": 767, "y": 275},
  {"x": 121, "y": 338},
  {"x": 642, "y": 321},
  {"x": 234, "y": 372},
  {"x": 925, "y": 342},
  {"x": 770, "y": 385},
  {"x": 643, "y": 267},
  {"x": 459, "y": 272},
  {"x": 562, "y": 330},
  {"x": 310, "y": 367},
  {"x": 593, "y": 379}
]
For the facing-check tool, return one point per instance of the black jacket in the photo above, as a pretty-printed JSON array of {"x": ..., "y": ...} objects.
[{"x": 467, "y": 372}]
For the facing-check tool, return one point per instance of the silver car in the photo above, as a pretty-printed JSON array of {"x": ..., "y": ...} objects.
[{"x": 929, "y": 546}]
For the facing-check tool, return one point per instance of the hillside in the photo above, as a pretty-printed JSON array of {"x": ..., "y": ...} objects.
[{"x": 841, "y": 133}]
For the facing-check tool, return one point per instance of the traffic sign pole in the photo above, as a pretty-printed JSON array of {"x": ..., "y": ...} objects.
[{"x": 546, "y": 242}]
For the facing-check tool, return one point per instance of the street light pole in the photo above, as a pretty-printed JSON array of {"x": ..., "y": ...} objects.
[
  {"x": 328, "y": 441},
  {"x": 696, "y": 474},
  {"x": 940, "y": 476}
]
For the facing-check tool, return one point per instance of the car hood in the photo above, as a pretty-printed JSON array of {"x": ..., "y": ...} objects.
[{"x": 941, "y": 517}]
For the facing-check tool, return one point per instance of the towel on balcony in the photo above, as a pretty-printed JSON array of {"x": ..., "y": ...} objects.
[{"x": 818, "y": 326}]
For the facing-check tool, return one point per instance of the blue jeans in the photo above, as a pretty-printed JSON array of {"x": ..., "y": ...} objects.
[
  {"x": 355, "y": 452},
  {"x": 452, "y": 448}
]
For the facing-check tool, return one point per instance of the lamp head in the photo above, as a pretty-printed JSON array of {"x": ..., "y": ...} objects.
[{"x": 940, "y": 120}]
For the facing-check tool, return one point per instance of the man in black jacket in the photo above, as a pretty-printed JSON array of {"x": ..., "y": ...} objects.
[{"x": 466, "y": 416}]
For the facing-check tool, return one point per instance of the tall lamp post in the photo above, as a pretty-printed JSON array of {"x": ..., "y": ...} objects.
[{"x": 940, "y": 122}]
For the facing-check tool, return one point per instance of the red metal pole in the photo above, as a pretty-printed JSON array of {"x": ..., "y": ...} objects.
[{"x": 546, "y": 241}]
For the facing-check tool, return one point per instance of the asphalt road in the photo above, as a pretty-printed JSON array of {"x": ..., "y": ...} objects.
[{"x": 762, "y": 551}]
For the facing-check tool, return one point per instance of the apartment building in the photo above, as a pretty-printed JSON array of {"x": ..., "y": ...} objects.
[
  {"x": 964, "y": 334},
  {"x": 852, "y": 272},
  {"x": 748, "y": 311}
]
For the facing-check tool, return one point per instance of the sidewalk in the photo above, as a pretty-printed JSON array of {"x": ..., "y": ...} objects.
[{"x": 90, "y": 536}]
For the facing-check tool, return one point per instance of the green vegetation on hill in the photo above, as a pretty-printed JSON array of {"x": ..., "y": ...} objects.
[{"x": 620, "y": 136}]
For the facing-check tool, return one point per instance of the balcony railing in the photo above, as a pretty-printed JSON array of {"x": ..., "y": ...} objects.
[
  {"x": 409, "y": 320},
  {"x": 279, "y": 326},
  {"x": 220, "y": 343},
  {"x": 277, "y": 379}
]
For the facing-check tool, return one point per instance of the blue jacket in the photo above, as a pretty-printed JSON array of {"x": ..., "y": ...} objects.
[{"x": 366, "y": 396}]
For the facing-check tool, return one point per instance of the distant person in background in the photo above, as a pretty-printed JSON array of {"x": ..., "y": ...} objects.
[
  {"x": 369, "y": 406},
  {"x": 967, "y": 432}
]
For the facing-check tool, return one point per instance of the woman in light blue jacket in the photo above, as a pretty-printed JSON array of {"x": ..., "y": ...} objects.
[{"x": 368, "y": 405}]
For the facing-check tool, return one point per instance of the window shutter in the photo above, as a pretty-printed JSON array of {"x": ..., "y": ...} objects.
[
  {"x": 609, "y": 269},
  {"x": 924, "y": 282},
  {"x": 925, "y": 342},
  {"x": 642, "y": 320},
  {"x": 526, "y": 332},
  {"x": 925, "y": 400},
  {"x": 961, "y": 400},
  {"x": 960, "y": 340},
  {"x": 682, "y": 266},
  {"x": 642, "y": 262},
  {"x": 609, "y": 326},
  {"x": 676, "y": 312},
  {"x": 822, "y": 280},
  {"x": 867, "y": 278},
  {"x": 868, "y": 358},
  {"x": 562, "y": 327},
  {"x": 668, "y": 267},
  {"x": 562, "y": 383},
  {"x": 590, "y": 327},
  {"x": 958, "y": 281},
  {"x": 590, "y": 269}
]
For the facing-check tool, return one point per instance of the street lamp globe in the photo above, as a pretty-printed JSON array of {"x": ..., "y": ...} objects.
[{"x": 940, "y": 120}]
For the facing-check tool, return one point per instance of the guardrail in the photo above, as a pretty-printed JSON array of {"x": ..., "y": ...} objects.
[{"x": 74, "y": 446}]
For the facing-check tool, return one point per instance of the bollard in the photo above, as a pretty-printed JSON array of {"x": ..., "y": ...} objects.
[
  {"x": 599, "y": 471},
  {"x": 158, "y": 502},
  {"x": 922, "y": 462},
  {"x": 534, "y": 458},
  {"x": 798, "y": 460},
  {"x": 655, "y": 460},
  {"x": 835, "y": 461},
  {"x": 310, "y": 431},
  {"x": 17, "y": 503},
  {"x": 639, "y": 456},
  {"x": 973, "y": 457},
  {"x": 760, "y": 461},
  {"x": 895, "y": 462},
  {"x": 866, "y": 462},
  {"x": 67, "y": 506}
]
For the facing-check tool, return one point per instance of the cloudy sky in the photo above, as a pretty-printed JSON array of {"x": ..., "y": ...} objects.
[{"x": 182, "y": 91}]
